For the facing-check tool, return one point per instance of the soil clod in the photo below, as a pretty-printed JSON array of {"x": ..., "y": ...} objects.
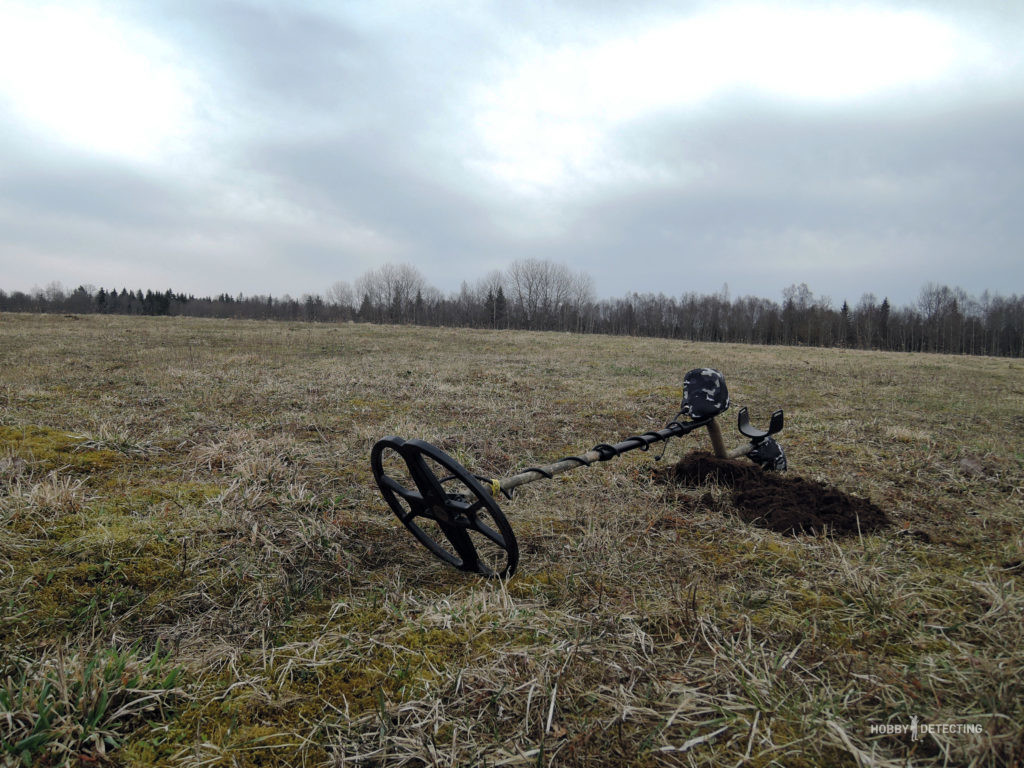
[{"x": 786, "y": 504}]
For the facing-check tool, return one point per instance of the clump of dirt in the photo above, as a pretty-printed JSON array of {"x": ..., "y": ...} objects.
[{"x": 790, "y": 505}]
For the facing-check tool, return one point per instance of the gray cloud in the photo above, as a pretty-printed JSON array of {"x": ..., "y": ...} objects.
[
  {"x": 324, "y": 143},
  {"x": 847, "y": 202}
]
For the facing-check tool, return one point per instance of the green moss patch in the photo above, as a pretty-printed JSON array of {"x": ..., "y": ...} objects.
[{"x": 50, "y": 449}]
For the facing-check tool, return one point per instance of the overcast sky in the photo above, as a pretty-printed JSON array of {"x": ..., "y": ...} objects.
[{"x": 271, "y": 147}]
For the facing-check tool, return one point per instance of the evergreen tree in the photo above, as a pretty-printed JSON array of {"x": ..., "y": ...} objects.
[
  {"x": 500, "y": 309},
  {"x": 365, "y": 309},
  {"x": 883, "y": 323},
  {"x": 489, "y": 310},
  {"x": 846, "y": 327}
]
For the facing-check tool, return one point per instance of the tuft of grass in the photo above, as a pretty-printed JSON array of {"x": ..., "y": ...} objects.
[
  {"x": 111, "y": 439},
  {"x": 72, "y": 706}
]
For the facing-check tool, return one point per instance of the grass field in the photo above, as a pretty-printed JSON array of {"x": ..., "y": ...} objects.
[{"x": 196, "y": 567}]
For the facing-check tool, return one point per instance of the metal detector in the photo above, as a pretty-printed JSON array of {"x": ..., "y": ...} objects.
[{"x": 455, "y": 513}]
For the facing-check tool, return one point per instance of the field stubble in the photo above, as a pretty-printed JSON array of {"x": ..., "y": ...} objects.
[{"x": 196, "y": 567}]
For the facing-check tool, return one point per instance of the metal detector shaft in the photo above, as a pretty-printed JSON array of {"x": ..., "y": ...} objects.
[{"x": 602, "y": 452}]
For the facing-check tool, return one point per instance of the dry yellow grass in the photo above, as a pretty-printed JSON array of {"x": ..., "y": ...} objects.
[{"x": 197, "y": 496}]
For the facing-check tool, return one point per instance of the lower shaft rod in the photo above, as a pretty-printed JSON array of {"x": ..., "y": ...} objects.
[
  {"x": 717, "y": 441},
  {"x": 602, "y": 452}
]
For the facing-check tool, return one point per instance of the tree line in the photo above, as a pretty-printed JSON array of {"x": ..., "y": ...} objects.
[{"x": 538, "y": 294}]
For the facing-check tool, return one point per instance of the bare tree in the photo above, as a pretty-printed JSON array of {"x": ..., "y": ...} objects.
[
  {"x": 490, "y": 283},
  {"x": 541, "y": 290},
  {"x": 395, "y": 293},
  {"x": 340, "y": 294},
  {"x": 392, "y": 289},
  {"x": 53, "y": 293},
  {"x": 865, "y": 320}
]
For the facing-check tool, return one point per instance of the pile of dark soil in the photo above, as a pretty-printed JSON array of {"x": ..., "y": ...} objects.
[{"x": 790, "y": 505}]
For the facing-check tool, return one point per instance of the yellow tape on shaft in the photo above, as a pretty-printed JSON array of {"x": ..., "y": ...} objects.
[{"x": 495, "y": 488}]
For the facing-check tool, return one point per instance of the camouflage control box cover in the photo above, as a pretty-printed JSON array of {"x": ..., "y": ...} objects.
[{"x": 704, "y": 393}]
